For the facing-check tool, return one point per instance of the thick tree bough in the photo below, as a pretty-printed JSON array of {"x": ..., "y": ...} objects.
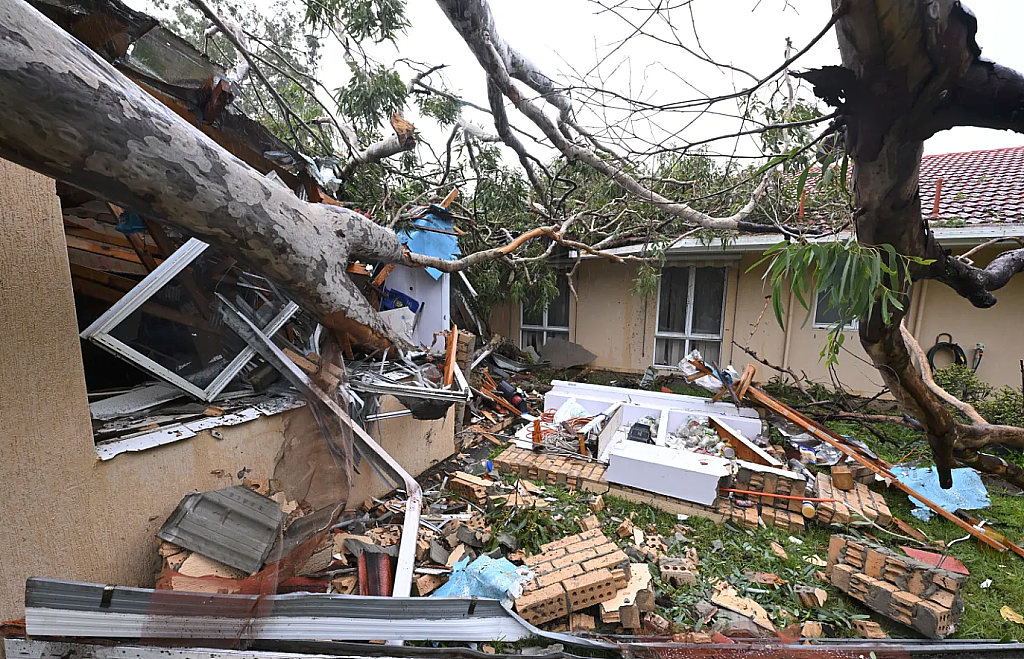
[
  {"x": 903, "y": 79},
  {"x": 69, "y": 115}
]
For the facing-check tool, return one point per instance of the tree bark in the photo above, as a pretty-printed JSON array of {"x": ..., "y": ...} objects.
[
  {"x": 904, "y": 78},
  {"x": 71, "y": 116}
]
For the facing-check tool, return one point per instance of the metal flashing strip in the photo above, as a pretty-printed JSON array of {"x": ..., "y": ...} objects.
[
  {"x": 170, "y": 434},
  {"x": 67, "y": 608},
  {"x": 235, "y": 526}
]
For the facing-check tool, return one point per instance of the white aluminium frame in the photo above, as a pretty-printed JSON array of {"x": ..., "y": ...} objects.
[
  {"x": 688, "y": 335},
  {"x": 99, "y": 331},
  {"x": 851, "y": 326}
]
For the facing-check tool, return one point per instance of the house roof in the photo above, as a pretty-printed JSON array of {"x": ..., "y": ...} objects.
[{"x": 978, "y": 187}]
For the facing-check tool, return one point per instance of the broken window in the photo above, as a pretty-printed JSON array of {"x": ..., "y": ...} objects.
[
  {"x": 163, "y": 325},
  {"x": 691, "y": 304},
  {"x": 825, "y": 315},
  {"x": 538, "y": 327}
]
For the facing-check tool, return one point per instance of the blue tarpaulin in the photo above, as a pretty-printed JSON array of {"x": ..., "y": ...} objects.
[
  {"x": 486, "y": 577},
  {"x": 433, "y": 243},
  {"x": 967, "y": 493}
]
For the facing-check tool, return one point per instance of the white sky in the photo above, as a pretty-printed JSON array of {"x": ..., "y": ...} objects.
[{"x": 562, "y": 35}]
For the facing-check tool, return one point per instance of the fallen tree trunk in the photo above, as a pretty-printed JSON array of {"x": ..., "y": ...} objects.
[
  {"x": 71, "y": 116},
  {"x": 903, "y": 79}
]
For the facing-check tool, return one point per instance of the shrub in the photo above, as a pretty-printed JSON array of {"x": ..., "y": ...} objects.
[{"x": 1003, "y": 406}]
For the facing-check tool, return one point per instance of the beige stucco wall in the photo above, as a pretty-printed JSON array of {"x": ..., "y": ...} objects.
[
  {"x": 618, "y": 326},
  {"x": 63, "y": 513}
]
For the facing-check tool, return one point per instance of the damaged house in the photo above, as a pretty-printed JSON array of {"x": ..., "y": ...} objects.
[
  {"x": 124, "y": 387},
  {"x": 710, "y": 294}
]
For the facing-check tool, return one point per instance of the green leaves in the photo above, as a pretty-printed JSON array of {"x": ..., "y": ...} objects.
[
  {"x": 848, "y": 277},
  {"x": 379, "y": 20},
  {"x": 371, "y": 95}
]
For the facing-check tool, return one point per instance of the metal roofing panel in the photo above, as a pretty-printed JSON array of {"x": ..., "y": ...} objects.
[{"x": 235, "y": 526}]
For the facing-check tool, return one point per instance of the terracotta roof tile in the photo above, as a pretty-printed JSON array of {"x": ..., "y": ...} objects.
[{"x": 978, "y": 187}]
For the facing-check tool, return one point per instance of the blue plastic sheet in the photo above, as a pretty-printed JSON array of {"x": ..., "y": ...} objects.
[
  {"x": 432, "y": 243},
  {"x": 967, "y": 493},
  {"x": 485, "y": 577}
]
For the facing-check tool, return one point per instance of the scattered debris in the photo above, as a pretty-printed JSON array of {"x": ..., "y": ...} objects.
[
  {"x": 779, "y": 551},
  {"x": 868, "y": 629},
  {"x": 1010, "y": 615}
]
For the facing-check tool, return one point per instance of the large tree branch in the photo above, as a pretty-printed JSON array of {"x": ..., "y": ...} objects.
[
  {"x": 69, "y": 115},
  {"x": 474, "y": 22},
  {"x": 974, "y": 283},
  {"x": 989, "y": 96}
]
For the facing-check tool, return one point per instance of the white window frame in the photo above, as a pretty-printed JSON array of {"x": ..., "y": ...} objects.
[
  {"x": 544, "y": 327},
  {"x": 99, "y": 331},
  {"x": 689, "y": 335},
  {"x": 852, "y": 326}
]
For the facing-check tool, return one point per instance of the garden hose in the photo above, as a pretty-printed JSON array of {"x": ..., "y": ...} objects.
[{"x": 959, "y": 356}]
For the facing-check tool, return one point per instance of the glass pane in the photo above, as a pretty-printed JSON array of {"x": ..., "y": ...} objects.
[
  {"x": 675, "y": 284},
  {"x": 710, "y": 351},
  {"x": 708, "y": 301},
  {"x": 531, "y": 317},
  {"x": 556, "y": 335},
  {"x": 534, "y": 338},
  {"x": 668, "y": 352},
  {"x": 558, "y": 309},
  {"x": 823, "y": 313}
]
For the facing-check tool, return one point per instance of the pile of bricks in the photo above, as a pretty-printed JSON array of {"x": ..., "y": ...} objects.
[
  {"x": 469, "y": 487},
  {"x": 850, "y": 503},
  {"x": 572, "y": 574},
  {"x": 919, "y": 595},
  {"x": 775, "y": 511}
]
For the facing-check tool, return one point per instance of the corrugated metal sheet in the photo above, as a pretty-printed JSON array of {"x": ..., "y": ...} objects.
[{"x": 235, "y": 526}]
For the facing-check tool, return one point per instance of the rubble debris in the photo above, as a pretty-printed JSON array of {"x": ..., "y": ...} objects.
[
  {"x": 632, "y": 601},
  {"x": 868, "y": 629},
  {"x": 810, "y": 596},
  {"x": 581, "y": 622},
  {"x": 842, "y": 478},
  {"x": 234, "y": 526},
  {"x": 951, "y": 563},
  {"x": 625, "y": 529},
  {"x": 486, "y": 577},
  {"x": 859, "y": 501},
  {"x": 596, "y": 504},
  {"x": 968, "y": 491},
  {"x": 1010, "y": 615},
  {"x": 923, "y": 597},
  {"x": 589, "y": 523},
  {"x": 779, "y": 551},
  {"x": 469, "y": 487},
  {"x": 656, "y": 624},
  {"x": 678, "y": 571},
  {"x": 811, "y": 629},
  {"x": 725, "y": 596}
]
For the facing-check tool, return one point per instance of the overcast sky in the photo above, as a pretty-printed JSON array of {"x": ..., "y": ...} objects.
[{"x": 563, "y": 36}]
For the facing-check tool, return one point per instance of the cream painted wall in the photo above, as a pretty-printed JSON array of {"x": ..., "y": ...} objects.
[
  {"x": 63, "y": 513},
  {"x": 1000, "y": 328},
  {"x": 611, "y": 321}
]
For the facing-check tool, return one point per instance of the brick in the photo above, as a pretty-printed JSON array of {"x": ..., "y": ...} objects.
[
  {"x": 557, "y": 576},
  {"x": 545, "y": 556},
  {"x": 868, "y": 629},
  {"x": 943, "y": 598},
  {"x": 874, "y": 561},
  {"x": 625, "y": 529},
  {"x": 581, "y": 622},
  {"x": 841, "y": 577},
  {"x": 678, "y": 575},
  {"x": 608, "y": 561},
  {"x": 932, "y": 620},
  {"x": 842, "y": 478},
  {"x": 596, "y": 504},
  {"x": 584, "y": 544},
  {"x": 916, "y": 583},
  {"x": 589, "y": 589},
  {"x": 542, "y": 605},
  {"x": 836, "y": 544}
]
